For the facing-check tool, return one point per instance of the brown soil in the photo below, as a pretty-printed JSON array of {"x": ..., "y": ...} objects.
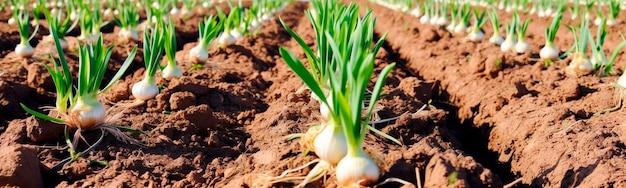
[
  {"x": 225, "y": 125},
  {"x": 540, "y": 121}
]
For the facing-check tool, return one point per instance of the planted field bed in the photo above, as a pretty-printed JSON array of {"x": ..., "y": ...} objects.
[{"x": 453, "y": 111}]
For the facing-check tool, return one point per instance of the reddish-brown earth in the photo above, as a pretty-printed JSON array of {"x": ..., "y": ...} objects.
[
  {"x": 225, "y": 125},
  {"x": 538, "y": 119}
]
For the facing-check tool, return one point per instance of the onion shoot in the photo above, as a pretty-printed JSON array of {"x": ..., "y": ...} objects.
[
  {"x": 496, "y": 37},
  {"x": 85, "y": 111},
  {"x": 21, "y": 18},
  {"x": 549, "y": 51},
  {"x": 171, "y": 69},
  {"x": 509, "y": 42},
  {"x": 599, "y": 59},
  {"x": 127, "y": 20},
  {"x": 347, "y": 64},
  {"x": 476, "y": 34},
  {"x": 522, "y": 46},
  {"x": 580, "y": 64},
  {"x": 62, "y": 26},
  {"x": 207, "y": 31},
  {"x": 147, "y": 89}
]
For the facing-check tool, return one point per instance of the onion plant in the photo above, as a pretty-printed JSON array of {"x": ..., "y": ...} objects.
[
  {"x": 174, "y": 11},
  {"x": 111, "y": 10},
  {"x": 417, "y": 10},
  {"x": 73, "y": 9},
  {"x": 61, "y": 26},
  {"x": 596, "y": 46},
  {"x": 171, "y": 69},
  {"x": 156, "y": 12},
  {"x": 496, "y": 37},
  {"x": 428, "y": 11},
  {"x": 588, "y": 9},
  {"x": 147, "y": 89},
  {"x": 208, "y": 30},
  {"x": 620, "y": 85},
  {"x": 509, "y": 42},
  {"x": 522, "y": 46},
  {"x": 580, "y": 64},
  {"x": 436, "y": 11},
  {"x": 340, "y": 72},
  {"x": 232, "y": 22},
  {"x": 21, "y": 17},
  {"x": 90, "y": 22},
  {"x": 127, "y": 20},
  {"x": 348, "y": 84},
  {"x": 600, "y": 61},
  {"x": 549, "y": 51},
  {"x": 320, "y": 62},
  {"x": 611, "y": 18},
  {"x": 442, "y": 18},
  {"x": 574, "y": 10},
  {"x": 465, "y": 14},
  {"x": 206, "y": 3},
  {"x": 614, "y": 9},
  {"x": 546, "y": 8},
  {"x": 476, "y": 34},
  {"x": 252, "y": 17},
  {"x": 187, "y": 9},
  {"x": 84, "y": 112},
  {"x": 454, "y": 18}
]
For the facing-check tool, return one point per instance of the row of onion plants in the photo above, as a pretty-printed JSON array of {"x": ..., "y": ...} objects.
[
  {"x": 587, "y": 53},
  {"x": 78, "y": 106},
  {"x": 338, "y": 72}
]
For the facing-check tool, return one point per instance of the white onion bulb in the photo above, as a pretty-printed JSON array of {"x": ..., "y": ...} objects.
[
  {"x": 199, "y": 54},
  {"x": 580, "y": 65},
  {"x": 507, "y": 44},
  {"x": 522, "y": 47},
  {"x": 129, "y": 34},
  {"x": 611, "y": 22},
  {"x": 226, "y": 39},
  {"x": 460, "y": 28},
  {"x": 86, "y": 113},
  {"x": 357, "y": 171},
  {"x": 425, "y": 19},
  {"x": 496, "y": 39},
  {"x": 330, "y": 144},
  {"x": 549, "y": 52},
  {"x": 476, "y": 36},
  {"x": 621, "y": 81},
  {"x": 145, "y": 89},
  {"x": 24, "y": 50},
  {"x": 171, "y": 71}
]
